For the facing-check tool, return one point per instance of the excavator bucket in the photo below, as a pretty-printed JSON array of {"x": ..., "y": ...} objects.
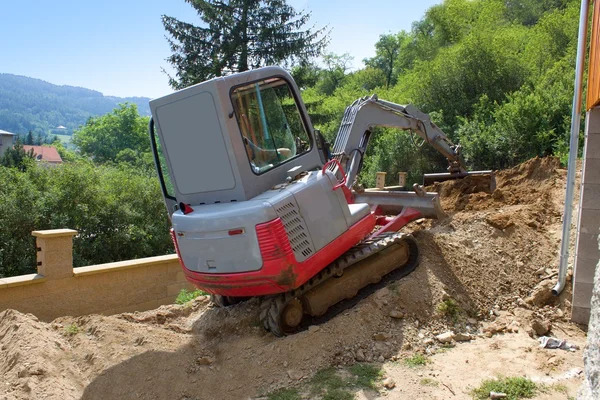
[{"x": 485, "y": 176}]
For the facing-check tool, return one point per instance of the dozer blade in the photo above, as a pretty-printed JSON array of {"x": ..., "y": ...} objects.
[
  {"x": 430, "y": 179},
  {"x": 392, "y": 202}
]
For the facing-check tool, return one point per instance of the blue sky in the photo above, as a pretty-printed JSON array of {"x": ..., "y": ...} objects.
[{"x": 118, "y": 47}]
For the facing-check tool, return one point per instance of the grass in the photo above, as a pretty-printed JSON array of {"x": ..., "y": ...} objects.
[
  {"x": 514, "y": 387},
  {"x": 72, "y": 329},
  {"x": 334, "y": 384},
  {"x": 285, "y": 394},
  {"x": 428, "y": 382},
  {"x": 449, "y": 308},
  {"x": 417, "y": 360},
  {"x": 185, "y": 296},
  {"x": 366, "y": 375}
]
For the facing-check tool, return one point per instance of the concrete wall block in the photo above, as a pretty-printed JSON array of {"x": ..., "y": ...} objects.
[
  {"x": 157, "y": 292},
  {"x": 582, "y": 294},
  {"x": 592, "y": 150},
  {"x": 55, "y": 264},
  {"x": 11, "y": 295},
  {"x": 584, "y": 270},
  {"x": 593, "y": 121},
  {"x": 580, "y": 315},
  {"x": 157, "y": 273},
  {"x": 63, "y": 243},
  {"x": 590, "y": 196},
  {"x": 587, "y": 246},
  {"x": 172, "y": 271},
  {"x": 137, "y": 274},
  {"x": 592, "y": 170},
  {"x": 590, "y": 221},
  {"x": 180, "y": 277},
  {"x": 107, "y": 279}
]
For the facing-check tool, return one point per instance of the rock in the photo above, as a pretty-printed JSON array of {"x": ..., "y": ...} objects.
[
  {"x": 360, "y": 356},
  {"x": 285, "y": 364},
  {"x": 497, "y": 395},
  {"x": 428, "y": 342},
  {"x": 497, "y": 194},
  {"x": 542, "y": 293},
  {"x": 381, "y": 337},
  {"x": 472, "y": 321},
  {"x": 569, "y": 276},
  {"x": 313, "y": 328},
  {"x": 396, "y": 314},
  {"x": 445, "y": 337},
  {"x": 540, "y": 327},
  {"x": 520, "y": 264},
  {"x": 381, "y": 359},
  {"x": 540, "y": 271},
  {"x": 294, "y": 375},
  {"x": 389, "y": 383},
  {"x": 559, "y": 313},
  {"x": 462, "y": 337},
  {"x": 204, "y": 361}
]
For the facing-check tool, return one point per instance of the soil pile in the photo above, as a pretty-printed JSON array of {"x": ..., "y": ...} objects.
[{"x": 478, "y": 268}]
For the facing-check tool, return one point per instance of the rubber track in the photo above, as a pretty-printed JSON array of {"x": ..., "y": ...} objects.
[{"x": 272, "y": 306}]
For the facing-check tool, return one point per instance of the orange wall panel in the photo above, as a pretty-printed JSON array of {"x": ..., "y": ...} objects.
[{"x": 593, "y": 94}]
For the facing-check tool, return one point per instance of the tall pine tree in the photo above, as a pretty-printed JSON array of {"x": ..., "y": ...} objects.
[{"x": 237, "y": 35}]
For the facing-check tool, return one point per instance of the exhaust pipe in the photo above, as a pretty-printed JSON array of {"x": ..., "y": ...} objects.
[{"x": 392, "y": 203}]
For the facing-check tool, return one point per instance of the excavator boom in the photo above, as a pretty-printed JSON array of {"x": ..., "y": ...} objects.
[{"x": 365, "y": 113}]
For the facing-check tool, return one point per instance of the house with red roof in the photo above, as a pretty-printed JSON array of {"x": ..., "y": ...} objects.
[{"x": 46, "y": 154}]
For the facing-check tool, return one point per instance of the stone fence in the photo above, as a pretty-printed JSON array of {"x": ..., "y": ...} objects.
[{"x": 58, "y": 289}]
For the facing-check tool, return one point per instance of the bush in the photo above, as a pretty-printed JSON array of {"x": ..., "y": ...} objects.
[{"x": 118, "y": 212}]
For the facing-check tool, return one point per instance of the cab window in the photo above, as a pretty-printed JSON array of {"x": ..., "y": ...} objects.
[{"x": 270, "y": 122}]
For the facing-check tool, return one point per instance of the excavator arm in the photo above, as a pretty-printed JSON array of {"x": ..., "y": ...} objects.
[{"x": 361, "y": 116}]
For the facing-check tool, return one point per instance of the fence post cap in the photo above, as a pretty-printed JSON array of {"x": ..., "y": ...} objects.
[{"x": 53, "y": 233}]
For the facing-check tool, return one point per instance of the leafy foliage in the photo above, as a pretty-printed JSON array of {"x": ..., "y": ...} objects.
[
  {"x": 17, "y": 157},
  {"x": 514, "y": 387},
  {"x": 185, "y": 296},
  {"x": 117, "y": 210},
  {"x": 237, "y": 35},
  {"x": 496, "y": 76},
  {"x": 120, "y": 136}
]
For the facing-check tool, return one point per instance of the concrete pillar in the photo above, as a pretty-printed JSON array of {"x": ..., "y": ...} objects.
[
  {"x": 587, "y": 253},
  {"x": 55, "y": 253},
  {"x": 380, "y": 180}
]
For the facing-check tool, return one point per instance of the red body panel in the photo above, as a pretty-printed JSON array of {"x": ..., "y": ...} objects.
[{"x": 280, "y": 272}]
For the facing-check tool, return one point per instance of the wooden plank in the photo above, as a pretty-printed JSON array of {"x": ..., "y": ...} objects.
[{"x": 593, "y": 94}]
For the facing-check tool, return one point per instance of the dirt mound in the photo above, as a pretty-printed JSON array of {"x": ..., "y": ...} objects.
[
  {"x": 477, "y": 268},
  {"x": 531, "y": 182}
]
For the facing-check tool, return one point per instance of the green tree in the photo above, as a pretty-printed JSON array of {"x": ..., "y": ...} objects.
[
  {"x": 334, "y": 73},
  {"x": 17, "y": 157},
  {"x": 387, "y": 51},
  {"x": 237, "y": 35},
  {"x": 104, "y": 138},
  {"x": 29, "y": 139}
]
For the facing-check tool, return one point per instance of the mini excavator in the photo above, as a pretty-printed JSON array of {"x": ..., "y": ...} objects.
[{"x": 261, "y": 205}]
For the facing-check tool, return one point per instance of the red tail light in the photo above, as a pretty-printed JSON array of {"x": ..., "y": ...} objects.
[{"x": 273, "y": 241}]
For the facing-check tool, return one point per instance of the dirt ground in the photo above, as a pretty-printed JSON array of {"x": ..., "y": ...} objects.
[{"x": 484, "y": 273}]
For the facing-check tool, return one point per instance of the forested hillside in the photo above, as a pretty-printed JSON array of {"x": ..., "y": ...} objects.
[
  {"x": 496, "y": 75},
  {"x": 28, "y": 104}
]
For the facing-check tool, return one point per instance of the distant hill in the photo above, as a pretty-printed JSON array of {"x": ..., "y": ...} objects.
[{"x": 32, "y": 104}]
